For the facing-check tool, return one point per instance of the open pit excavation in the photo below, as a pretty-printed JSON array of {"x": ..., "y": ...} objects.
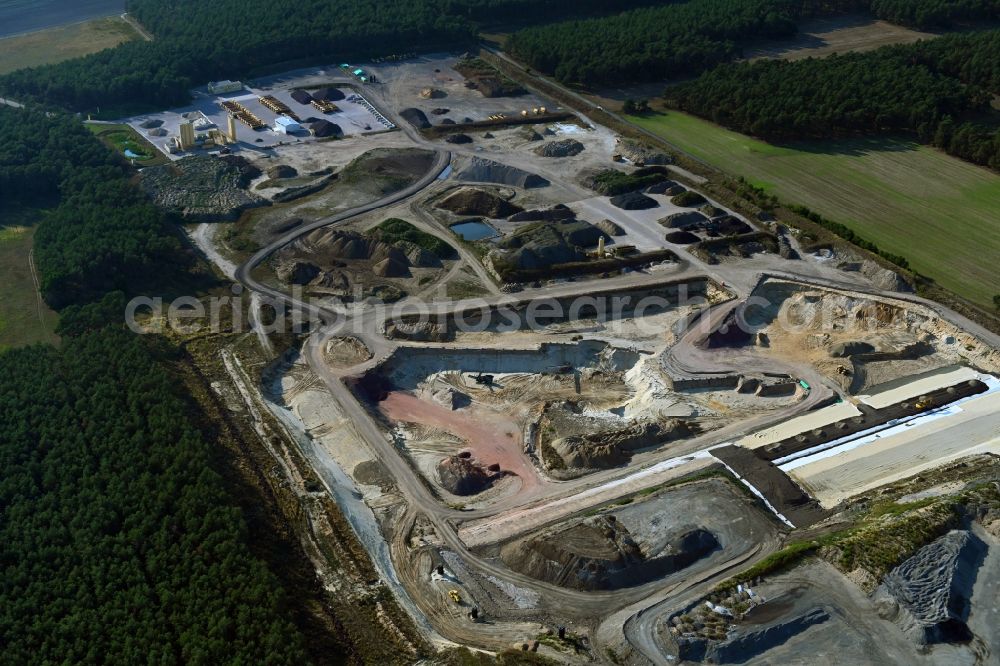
[{"x": 587, "y": 406}]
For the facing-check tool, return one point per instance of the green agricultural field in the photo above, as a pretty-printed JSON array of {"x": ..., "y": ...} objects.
[
  {"x": 123, "y": 138},
  {"x": 939, "y": 212},
  {"x": 45, "y": 47},
  {"x": 24, "y": 317}
]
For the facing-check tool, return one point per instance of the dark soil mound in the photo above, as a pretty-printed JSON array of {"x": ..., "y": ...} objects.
[
  {"x": 415, "y": 117},
  {"x": 473, "y": 201},
  {"x": 728, "y": 226},
  {"x": 459, "y": 138},
  {"x": 329, "y": 94},
  {"x": 633, "y": 201},
  {"x": 660, "y": 188},
  {"x": 682, "y": 237},
  {"x": 688, "y": 199},
  {"x": 282, "y": 171},
  {"x": 614, "y": 447},
  {"x": 447, "y": 121},
  {"x": 464, "y": 476},
  {"x": 298, "y": 272},
  {"x": 557, "y": 212},
  {"x": 601, "y": 554},
  {"x": 564, "y": 148},
  {"x": 324, "y": 128}
]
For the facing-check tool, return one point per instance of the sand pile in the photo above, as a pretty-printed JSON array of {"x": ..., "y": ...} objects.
[
  {"x": 642, "y": 153},
  {"x": 431, "y": 93}
]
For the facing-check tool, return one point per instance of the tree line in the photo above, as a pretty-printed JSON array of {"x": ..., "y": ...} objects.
[{"x": 938, "y": 90}]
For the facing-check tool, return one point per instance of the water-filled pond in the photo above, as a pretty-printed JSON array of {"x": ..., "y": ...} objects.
[{"x": 474, "y": 230}]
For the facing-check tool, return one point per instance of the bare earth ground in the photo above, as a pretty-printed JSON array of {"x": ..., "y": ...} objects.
[{"x": 824, "y": 36}]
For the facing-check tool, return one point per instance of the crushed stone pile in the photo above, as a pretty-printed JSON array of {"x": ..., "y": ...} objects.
[
  {"x": 481, "y": 170},
  {"x": 683, "y": 220},
  {"x": 928, "y": 594},
  {"x": 633, "y": 201}
]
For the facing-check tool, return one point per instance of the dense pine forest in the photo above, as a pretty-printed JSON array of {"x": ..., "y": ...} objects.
[
  {"x": 938, "y": 90},
  {"x": 653, "y": 43},
  {"x": 929, "y": 14},
  {"x": 684, "y": 38},
  {"x": 104, "y": 234},
  {"x": 118, "y": 541}
]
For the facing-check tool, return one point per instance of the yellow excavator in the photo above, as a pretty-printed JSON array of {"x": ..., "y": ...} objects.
[{"x": 455, "y": 596}]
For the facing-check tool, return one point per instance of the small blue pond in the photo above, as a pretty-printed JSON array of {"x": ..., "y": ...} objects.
[
  {"x": 129, "y": 153},
  {"x": 474, "y": 230}
]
